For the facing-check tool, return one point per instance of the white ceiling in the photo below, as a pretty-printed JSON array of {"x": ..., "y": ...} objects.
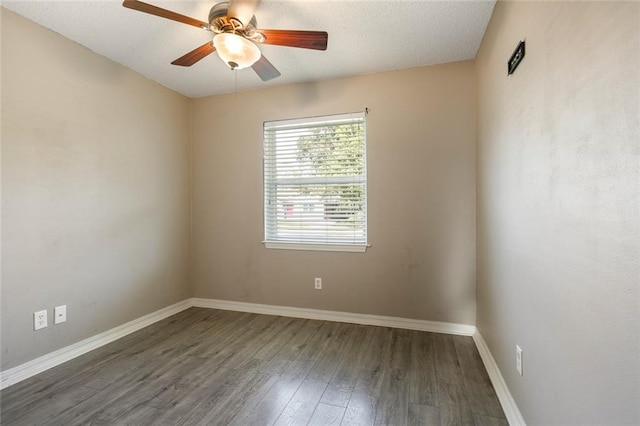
[{"x": 364, "y": 37}]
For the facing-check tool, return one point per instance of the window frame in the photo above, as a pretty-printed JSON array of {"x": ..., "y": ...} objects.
[{"x": 355, "y": 247}]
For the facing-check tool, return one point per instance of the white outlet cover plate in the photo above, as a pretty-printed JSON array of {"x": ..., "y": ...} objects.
[
  {"x": 519, "y": 359},
  {"x": 60, "y": 314},
  {"x": 39, "y": 320}
]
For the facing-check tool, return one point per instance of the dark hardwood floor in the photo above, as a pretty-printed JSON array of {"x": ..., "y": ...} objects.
[{"x": 204, "y": 367}]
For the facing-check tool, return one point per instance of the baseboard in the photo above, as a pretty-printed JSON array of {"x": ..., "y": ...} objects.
[
  {"x": 509, "y": 406},
  {"x": 50, "y": 360},
  {"x": 316, "y": 314},
  {"x": 45, "y": 362}
]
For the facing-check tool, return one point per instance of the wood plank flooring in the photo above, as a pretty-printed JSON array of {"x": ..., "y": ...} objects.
[{"x": 212, "y": 367}]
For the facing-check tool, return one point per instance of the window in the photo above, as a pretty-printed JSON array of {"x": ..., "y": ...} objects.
[{"x": 315, "y": 183}]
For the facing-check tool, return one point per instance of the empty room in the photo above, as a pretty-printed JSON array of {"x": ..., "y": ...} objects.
[{"x": 320, "y": 212}]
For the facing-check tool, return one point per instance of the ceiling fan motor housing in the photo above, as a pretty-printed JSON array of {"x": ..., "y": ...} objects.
[{"x": 221, "y": 23}]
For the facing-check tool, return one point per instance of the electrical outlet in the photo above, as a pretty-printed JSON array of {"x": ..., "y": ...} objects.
[
  {"x": 519, "y": 359},
  {"x": 39, "y": 319},
  {"x": 60, "y": 314},
  {"x": 318, "y": 283}
]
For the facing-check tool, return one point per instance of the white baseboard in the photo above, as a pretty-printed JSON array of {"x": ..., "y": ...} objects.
[
  {"x": 316, "y": 314},
  {"x": 511, "y": 411},
  {"x": 50, "y": 360},
  {"x": 45, "y": 362}
]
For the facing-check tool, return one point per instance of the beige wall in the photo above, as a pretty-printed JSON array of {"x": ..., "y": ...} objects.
[
  {"x": 421, "y": 168},
  {"x": 558, "y": 208},
  {"x": 95, "y": 191}
]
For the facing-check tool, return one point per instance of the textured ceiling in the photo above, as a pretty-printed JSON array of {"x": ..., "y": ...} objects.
[{"x": 364, "y": 37}]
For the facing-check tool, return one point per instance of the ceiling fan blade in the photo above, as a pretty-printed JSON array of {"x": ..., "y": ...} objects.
[
  {"x": 242, "y": 10},
  {"x": 164, "y": 13},
  {"x": 293, "y": 38},
  {"x": 195, "y": 55},
  {"x": 265, "y": 69}
]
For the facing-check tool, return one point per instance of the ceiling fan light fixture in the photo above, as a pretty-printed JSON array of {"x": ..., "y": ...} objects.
[{"x": 236, "y": 51}]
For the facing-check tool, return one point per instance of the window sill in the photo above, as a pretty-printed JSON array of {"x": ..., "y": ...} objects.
[{"x": 352, "y": 248}]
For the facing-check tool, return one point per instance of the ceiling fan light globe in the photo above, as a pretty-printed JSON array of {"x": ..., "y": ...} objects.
[{"x": 237, "y": 50}]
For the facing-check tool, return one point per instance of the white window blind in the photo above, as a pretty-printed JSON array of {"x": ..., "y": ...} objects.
[{"x": 315, "y": 183}]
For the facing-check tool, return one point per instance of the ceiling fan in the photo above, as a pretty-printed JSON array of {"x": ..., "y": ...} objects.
[{"x": 236, "y": 36}]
